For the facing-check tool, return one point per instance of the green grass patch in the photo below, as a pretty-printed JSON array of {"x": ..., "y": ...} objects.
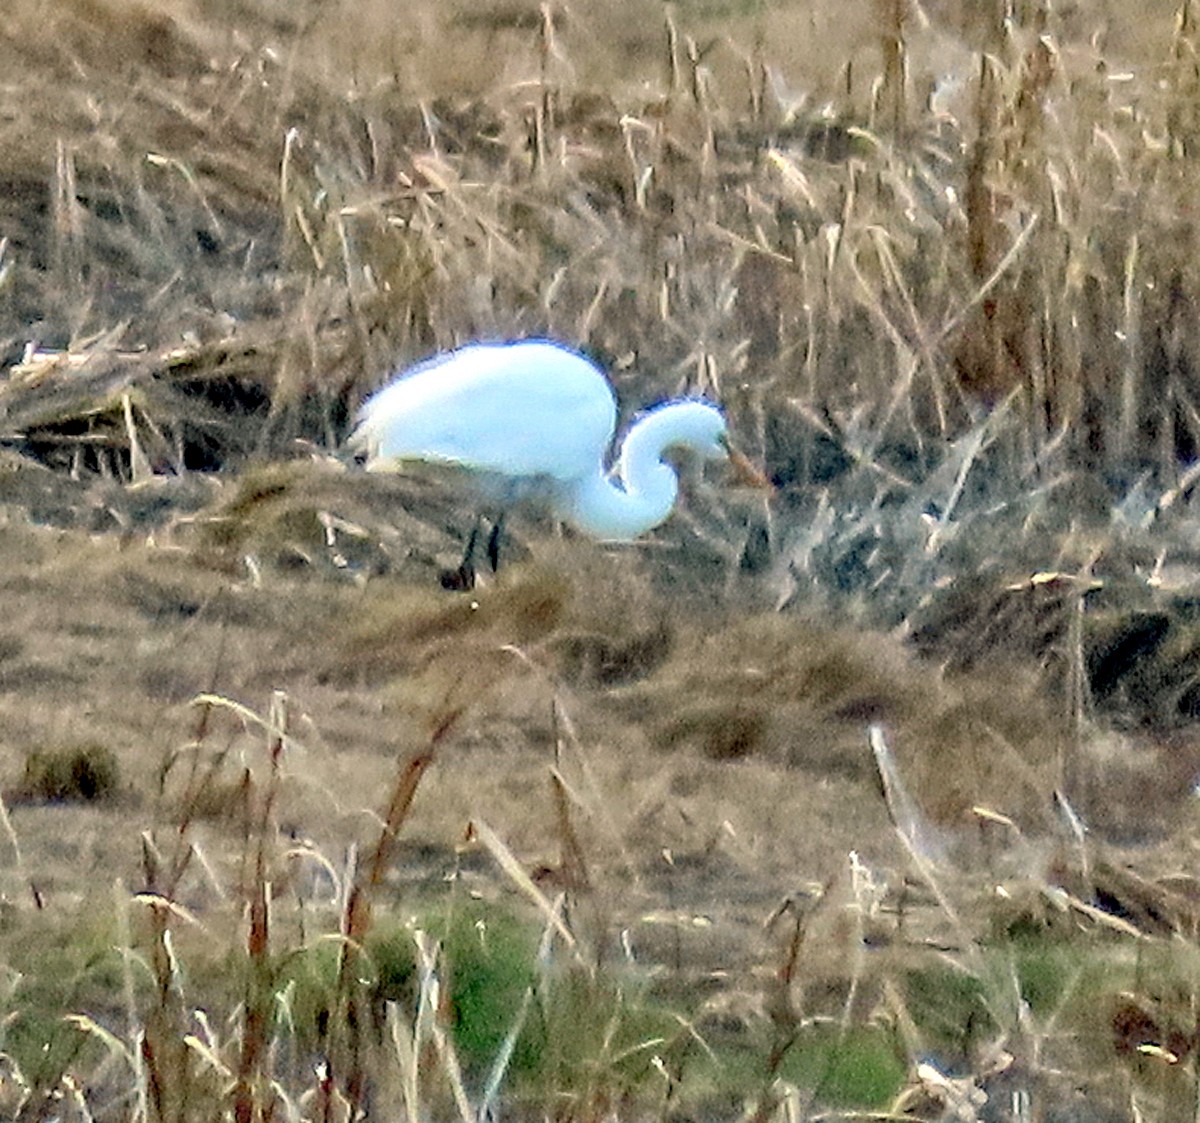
[
  {"x": 859, "y": 1067},
  {"x": 53, "y": 972}
]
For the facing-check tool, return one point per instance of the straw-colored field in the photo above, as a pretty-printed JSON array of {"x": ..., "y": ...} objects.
[{"x": 871, "y": 793}]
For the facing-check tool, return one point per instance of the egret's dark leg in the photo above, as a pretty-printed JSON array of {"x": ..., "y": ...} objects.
[
  {"x": 462, "y": 579},
  {"x": 493, "y": 546}
]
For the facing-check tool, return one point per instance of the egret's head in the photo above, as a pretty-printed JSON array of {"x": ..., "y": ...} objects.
[
  {"x": 696, "y": 425},
  {"x": 702, "y": 429}
]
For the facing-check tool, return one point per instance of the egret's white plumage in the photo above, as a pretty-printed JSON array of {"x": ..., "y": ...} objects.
[{"x": 536, "y": 418}]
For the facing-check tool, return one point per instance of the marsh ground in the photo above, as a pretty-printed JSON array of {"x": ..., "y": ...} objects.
[{"x": 226, "y": 222}]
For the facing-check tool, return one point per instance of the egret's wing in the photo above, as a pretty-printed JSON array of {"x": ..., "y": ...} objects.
[{"x": 522, "y": 409}]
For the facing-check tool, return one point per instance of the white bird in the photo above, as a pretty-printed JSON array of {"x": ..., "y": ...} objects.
[{"x": 534, "y": 419}]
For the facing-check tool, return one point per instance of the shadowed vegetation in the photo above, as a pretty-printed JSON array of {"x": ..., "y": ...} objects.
[{"x": 875, "y": 794}]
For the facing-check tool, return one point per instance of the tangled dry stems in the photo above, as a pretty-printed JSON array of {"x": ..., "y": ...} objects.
[{"x": 972, "y": 331}]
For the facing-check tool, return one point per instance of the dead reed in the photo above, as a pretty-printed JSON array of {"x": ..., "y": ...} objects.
[{"x": 955, "y": 321}]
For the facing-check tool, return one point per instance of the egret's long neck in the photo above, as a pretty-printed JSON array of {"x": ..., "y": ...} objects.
[
  {"x": 611, "y": 513},
  {"x": 643, "y": 492},
  {"x": 641, "y": 466}
]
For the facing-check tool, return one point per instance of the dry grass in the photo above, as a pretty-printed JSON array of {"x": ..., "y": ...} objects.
[{"x": 605, "y": 838}]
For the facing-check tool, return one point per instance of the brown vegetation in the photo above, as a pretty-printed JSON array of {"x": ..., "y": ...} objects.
[{"x": 904, "y": 753}]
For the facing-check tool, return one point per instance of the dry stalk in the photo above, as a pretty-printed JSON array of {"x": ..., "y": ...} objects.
[
  {"x": 779, "y": 999},
  {"x": 892, "y": 100},
  {"x": 253, "y": 1098},
  {"x": 348, "y": 1048}
]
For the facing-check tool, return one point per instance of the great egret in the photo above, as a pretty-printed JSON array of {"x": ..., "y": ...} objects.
[{"x": 533, "y": 419}]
